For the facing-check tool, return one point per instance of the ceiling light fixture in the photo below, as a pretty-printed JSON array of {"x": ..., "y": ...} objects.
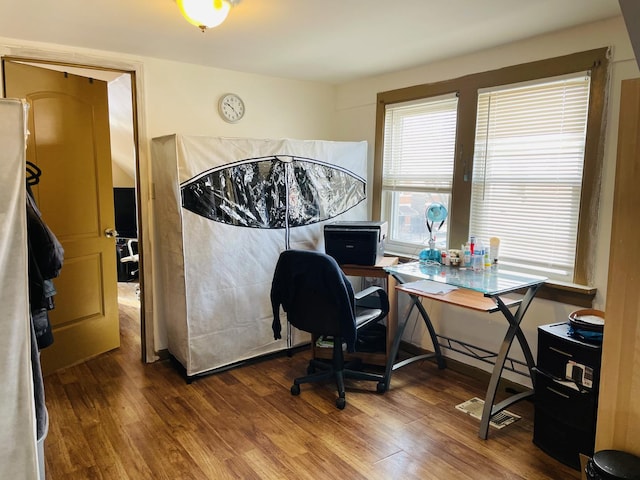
[{"x": 205, "y": 13}]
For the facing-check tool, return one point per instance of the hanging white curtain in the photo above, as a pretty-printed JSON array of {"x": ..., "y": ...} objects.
[{"x": 18, "y": 442}]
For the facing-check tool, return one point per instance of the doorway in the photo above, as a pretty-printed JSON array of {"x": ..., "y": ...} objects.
[{"x": 124, "y": 166}]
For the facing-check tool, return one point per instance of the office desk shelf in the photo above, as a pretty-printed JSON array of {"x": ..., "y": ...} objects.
[{"x": 482, "y": 354}]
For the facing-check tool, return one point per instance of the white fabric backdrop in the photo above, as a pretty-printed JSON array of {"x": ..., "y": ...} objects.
[
  {"x": 217, "y": 277},
  {"x": 18, "y": 458}
]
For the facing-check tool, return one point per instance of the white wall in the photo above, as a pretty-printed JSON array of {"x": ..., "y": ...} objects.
[
  {"x": 123, "y": 153},
  {"x": 183, "y": 98},
  {"x": 355, "y": 119}
]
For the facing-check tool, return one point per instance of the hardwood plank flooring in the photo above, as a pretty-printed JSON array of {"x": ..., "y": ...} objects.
[{"x": 114, "y": 417}]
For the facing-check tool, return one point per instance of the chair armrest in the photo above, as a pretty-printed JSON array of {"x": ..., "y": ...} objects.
[
  {"x": 379, "y": 292},
  {"x": 132, "y": 248},
  {"x": 368, "y": 291},
  {"x": 130, "y": 258}
]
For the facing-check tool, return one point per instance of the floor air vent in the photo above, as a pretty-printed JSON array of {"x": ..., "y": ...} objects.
[{"x": 474, "y": 408}]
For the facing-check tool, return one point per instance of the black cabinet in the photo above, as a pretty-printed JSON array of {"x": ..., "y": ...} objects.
[{"x": 566, "y": 387}]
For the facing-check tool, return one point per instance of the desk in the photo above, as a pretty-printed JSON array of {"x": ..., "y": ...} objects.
[
  {"x": 480, "y": 291},
  {"x": 373, "y": 271}
]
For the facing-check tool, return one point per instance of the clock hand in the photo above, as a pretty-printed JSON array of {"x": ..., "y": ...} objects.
[{"x": 231, "y": 107}]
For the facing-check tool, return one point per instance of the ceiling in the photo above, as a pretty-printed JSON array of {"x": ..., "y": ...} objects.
[{"x": 331, "y": 41}]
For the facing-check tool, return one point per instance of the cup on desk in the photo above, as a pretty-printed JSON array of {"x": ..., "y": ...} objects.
[{"x": 454, "y": 258}]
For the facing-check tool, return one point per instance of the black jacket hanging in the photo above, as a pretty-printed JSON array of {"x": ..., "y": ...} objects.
[
  {"x": 46, "y": 256},
  {"x": 44, "y": 246}
]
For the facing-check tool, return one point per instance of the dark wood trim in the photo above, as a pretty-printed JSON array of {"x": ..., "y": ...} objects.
[
  {"x": 463, "y": 166},
  {"x": 563, "y": 294},
  {"x": 593, "y": 160},
  {"x": 376, "y": 195}
]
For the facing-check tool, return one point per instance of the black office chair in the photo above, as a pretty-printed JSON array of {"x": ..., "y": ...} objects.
[{"x": 318, "y": 298}]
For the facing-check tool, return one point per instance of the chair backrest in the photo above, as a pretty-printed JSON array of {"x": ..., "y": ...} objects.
[
  {"x": 315, "y": 294},
  {"x": 132, "y": 245}
]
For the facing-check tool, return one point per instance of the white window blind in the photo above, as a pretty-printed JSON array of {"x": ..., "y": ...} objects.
[
  {"x": 419, "y": 144},
  {"x": 527, "y": 174},
  {"x": 418, "y": 158}
]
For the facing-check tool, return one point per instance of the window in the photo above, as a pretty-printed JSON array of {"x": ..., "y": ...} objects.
[
  {"x": 527, "y": 172},
  {"x": 419, "y": 152},
  {"x": 513, "y": 153}
]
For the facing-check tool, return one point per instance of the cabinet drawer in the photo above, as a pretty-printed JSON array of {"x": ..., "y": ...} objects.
[
  {"x": 557, "y": 350},
  {"x": 562, "y": 441},
  {"x": 564, "y": 403}
]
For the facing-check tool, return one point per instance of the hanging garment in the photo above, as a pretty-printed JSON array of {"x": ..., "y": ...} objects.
[
  {"x": 46, "y": 256},
  {"x": 44, "y": 246}
]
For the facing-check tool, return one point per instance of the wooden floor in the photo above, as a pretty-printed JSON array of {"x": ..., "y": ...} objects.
[{"x": 116, "y": 418}]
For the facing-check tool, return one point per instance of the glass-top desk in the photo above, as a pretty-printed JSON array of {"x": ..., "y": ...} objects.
[{"x": 481, "y": 291}]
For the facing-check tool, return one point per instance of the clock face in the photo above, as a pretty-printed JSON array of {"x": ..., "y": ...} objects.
[{"x": 231, "y": 107}]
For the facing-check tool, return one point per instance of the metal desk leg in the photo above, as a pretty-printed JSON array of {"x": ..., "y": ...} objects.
[
  {"x": 512, "y": 332},
  {"x": 391, "y": 366},
  {"x": 442, "y": 363},
  {"x": 395, "y": 347}
]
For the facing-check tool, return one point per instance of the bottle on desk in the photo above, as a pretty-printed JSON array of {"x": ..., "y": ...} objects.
[
  {"x": 465, "y": 260},
  {"x": 477, "y": 259},
  {"x": 493, "y": 252}
]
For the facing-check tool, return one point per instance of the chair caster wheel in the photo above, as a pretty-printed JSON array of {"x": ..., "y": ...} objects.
[
  {"x": 381, "y": 387},
  {"x": 341, "y": 402},
  {"x": 295, "y": 389}
]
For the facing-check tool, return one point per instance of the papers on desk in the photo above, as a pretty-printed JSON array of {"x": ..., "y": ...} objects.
[{"x": 429, "y": 286}]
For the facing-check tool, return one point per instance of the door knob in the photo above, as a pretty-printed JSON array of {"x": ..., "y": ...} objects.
[{"x": 110, "y": 233}]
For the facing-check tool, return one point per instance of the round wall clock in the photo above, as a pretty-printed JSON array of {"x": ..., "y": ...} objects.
[{"x": 231, "y": 107}]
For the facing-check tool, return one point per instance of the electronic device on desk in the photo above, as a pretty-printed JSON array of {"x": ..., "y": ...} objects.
[{"x": 356, "y": 242}]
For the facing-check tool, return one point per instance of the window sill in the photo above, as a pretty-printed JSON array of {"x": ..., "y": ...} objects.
[
  {"x": 555, "y": 291},
  {"x": 572, "y": 294}
]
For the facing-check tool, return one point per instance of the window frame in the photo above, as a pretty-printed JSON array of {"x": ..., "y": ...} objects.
[{"x": 595, "y": 61}]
